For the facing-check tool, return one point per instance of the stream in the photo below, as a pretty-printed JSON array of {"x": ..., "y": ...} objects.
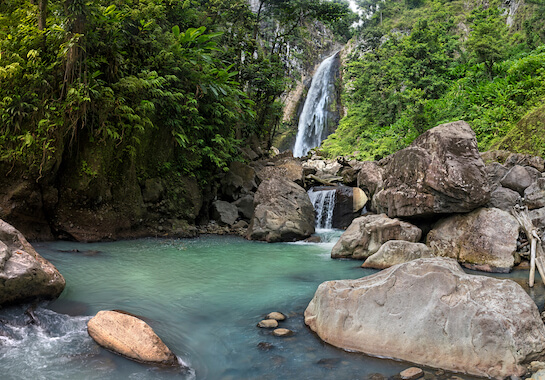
[{"x": 202, "y": 296}]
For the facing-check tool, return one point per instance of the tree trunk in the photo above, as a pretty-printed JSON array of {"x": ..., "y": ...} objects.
[{"x": 42, "y": 14}]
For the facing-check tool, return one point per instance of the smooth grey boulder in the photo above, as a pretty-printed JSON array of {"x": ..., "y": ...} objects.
[
  {"x": 441, "y": 172},
  {"x": 504, "y": 198},
  {"x": 517, "y": 179},
  {"x": 395, "y": 252},
  {"x": 366, "y": 234},
  {"x": 283, "y": 212},
  {"x": 429, "y": 312},
  {"x": 24, "y": 274},
  {"x": 534, "y": 195},
  {"x": 485, "y": 239},
  {"x": 224, "y": 213},
  {"x": 245, "y": 206},
  {"x": 131, "y": 337}
]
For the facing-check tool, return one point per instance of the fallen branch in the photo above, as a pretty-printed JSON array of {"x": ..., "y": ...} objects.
[{"x": 536, "y": 250}]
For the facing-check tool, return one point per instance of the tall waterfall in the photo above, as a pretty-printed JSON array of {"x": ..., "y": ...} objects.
[
  {"x": 313, "y": 121},
  {"x": 324, "y": 204}
]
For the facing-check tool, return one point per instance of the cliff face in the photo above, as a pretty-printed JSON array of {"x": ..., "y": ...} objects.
[{"x": 99, "y": 193}]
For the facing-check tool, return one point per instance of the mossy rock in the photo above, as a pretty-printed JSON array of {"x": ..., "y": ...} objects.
[{"x": 527, "y": 136}]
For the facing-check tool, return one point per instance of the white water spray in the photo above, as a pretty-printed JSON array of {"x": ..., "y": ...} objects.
[
  {"x": 312, "y": 129},
  {"x": 324, "y": 204}
]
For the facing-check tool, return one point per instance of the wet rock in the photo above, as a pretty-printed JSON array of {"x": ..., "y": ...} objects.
[
  {"x": 282, "y": 332},
  {"x": 441, "y": 172},
  {"x": 329, "y": 363},
  {"x": 412, "y": 373},
  {"x": 130, "y": 337},
  {"x": 268, "y": 324},
  {"x": 485, "y": 239},
  {"x": 265, "y": 346},
  {"x": 367, "y": 233},
  {"x": 534, "y": 195},
  {"x": 24, "y": 274},
  {"x": 517, "y": 179},
  {"x": 224, "y": 213},
  {"x": 396, "y": 252},
  {"x": 376, "y": 376},
  {"x": 313, "y": 239},
  {"x": 504, "y": 199},
  {"x": 276, "y": 316},
  {"x": 475, "y": 324},
  {"x": 283, "y": 212}
]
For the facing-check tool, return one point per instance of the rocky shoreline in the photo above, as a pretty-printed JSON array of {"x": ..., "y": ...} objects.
[{"x": 430, "y": 208}]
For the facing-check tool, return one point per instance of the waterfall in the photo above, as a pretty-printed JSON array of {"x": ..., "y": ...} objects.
[
  {"x": 324, "y": 204},
  {"x": 312, "y": 129}
]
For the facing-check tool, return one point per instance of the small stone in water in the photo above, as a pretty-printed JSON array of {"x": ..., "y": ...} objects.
[
  {"x": 276, "y": 315},
  {"x": 268, "y": 323},
  {"x": 265, "y": 346},
  {"x": 411, "y": 373},
  {"x": 282, "y": 332},
  {"x": 376, "y": 376},
  {"x": 329, "y": 363}
]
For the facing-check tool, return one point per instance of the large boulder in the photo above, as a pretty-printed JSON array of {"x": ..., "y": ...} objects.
[
  {"x": 224, "y": 213},
  {"x": 504, "y": 198},
  {"x": 395, "y": 252},
  {"x": 283, "y": 212},
  {"x": 131, "y": 337},
  {"x": 367, "y": 233},
  {"x": 24, "y": 274},
  {"x": 517, "y": 179},
  {"x": 428, "y": 311},
  {"x": 534, "y": 195},
  {"x": 485, "y": 239},
  {"x": 441, "y": 172}
]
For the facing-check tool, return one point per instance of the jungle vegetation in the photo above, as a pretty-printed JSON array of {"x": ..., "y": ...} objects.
[
  {"x": 415, "y": 64},
  {"x": 114, "y": 73}
]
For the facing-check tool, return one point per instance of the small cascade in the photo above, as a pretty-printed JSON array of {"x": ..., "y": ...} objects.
[
  {"x": 324, "y": 204},
  {"x": 313, "y": 121}
]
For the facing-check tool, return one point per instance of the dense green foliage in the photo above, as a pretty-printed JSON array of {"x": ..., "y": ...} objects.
[
  {"x": 76, "y": 72},
  {"x": 423, "y": 63}
]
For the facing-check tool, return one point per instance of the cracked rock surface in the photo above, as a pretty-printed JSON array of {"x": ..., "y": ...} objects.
[{"x": 429, "y": 311}]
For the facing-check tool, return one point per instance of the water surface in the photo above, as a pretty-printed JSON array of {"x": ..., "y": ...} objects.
[{"x": 202, "y": 296}]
